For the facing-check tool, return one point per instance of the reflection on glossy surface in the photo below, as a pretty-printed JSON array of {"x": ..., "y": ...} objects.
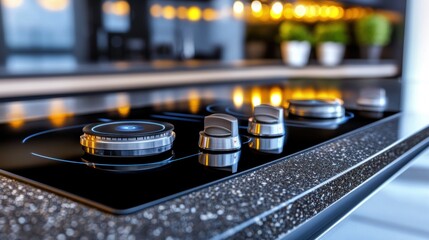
[
  {"x": 267, "y": 145},
  {"x": 276, "y": 96},
  {"x": 127, "y": 165},
  {"x": 16, "y": 115},
  {"x": 221, "y": 161},
  {"x": 194, "y": 101},
  {"x": 58, "y": 112},
  {"x": 256, "y": 97},
  {"x": 123, "y": 104},
  {"x": 238, "y": 97}
]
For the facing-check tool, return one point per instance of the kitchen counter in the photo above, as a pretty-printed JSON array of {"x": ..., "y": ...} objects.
[
  {"x": 296, "y": 197},
  {"x": 268, "y": 203}
]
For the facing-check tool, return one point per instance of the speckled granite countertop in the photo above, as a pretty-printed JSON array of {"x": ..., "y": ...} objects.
[{"x": 268, "y": 203}]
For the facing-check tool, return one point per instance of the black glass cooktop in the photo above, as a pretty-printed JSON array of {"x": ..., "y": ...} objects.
[{"x": 47, "y": 153}]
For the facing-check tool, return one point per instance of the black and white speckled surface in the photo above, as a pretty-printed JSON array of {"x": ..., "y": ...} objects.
[{"x": 266, "y": 203}]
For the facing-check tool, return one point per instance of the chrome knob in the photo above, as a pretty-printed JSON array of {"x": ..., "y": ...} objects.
[
  {"x": 220, "y": 133},
  {"x": 372, "y": 99},
  {"x": 267, "y": 121}
]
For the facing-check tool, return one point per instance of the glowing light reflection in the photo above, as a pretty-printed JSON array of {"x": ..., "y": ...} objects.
[
  {"x": 58, "y": 113},
  {"x": 256, "y": 97},
  {"x": 276, "y": 96},
  {"x": 16, "y": 115},
  {"x": 123, "y": 104},
  {"x": 238, "y": 97}
]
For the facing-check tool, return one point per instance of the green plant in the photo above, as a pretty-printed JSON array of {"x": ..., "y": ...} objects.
[
  {"x": 290, "y": 31},
  {"x": 373, "y": 29},
  {"x": 331, "y": 32}
]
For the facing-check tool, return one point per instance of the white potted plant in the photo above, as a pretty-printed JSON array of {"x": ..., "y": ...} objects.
[
  {"x": 331, "y": 39},
  {"x": 295, "y": 43}
]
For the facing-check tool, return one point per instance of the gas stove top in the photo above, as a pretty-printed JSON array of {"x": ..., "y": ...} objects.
[{"x": 122, "y": 164}]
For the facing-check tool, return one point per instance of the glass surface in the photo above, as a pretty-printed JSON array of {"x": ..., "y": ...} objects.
[{"x": 48, "y": 152}]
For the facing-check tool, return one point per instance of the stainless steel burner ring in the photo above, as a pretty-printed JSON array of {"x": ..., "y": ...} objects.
[
  {"x": 317, "y": 108},
  {"x": 127, "y": 138}
]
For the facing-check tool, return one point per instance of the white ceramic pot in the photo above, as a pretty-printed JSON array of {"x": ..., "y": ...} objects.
[
  {"x": 330, "y": 53},
  {"x": 295, "y": 53}
]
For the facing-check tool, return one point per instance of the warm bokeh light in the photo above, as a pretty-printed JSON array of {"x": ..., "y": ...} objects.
[
  {"x": 123, "y": 104},
  {"x": 156, "y": 10},
  {"x": 182, "y": 12},
  {"x": 194, "y": 101},
  {"x": 299, "y": 11},
  {"x": 169, "y": 12},
  {"x": 307, "y": 11},
  {"x": 288, "y": 11},
  {"x": 16, "y": 115},
  {"x": 312, "y": 12},
  {"x": 256, "y": 6},
  {"x": 276, "y": 96},
  {"x": 276, "y": 10},
  {"x": 238, "y": 97},
  {"x": 238, "y": 8},
  {"x": 209, "y": 14},
  {"x": 54, "y": 5},
  {"x": 333, "y": 12},
  {"x": 256, "y": 97},
  {"x": 265, "y": 12},
  {"x": 12, "y": 3},
  {"x": 120, "y": 8},
  {"x": 194, "y": 14},
  {"x": 58, "y": 112}
]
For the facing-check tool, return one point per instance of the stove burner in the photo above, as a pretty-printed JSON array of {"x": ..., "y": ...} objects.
[
  {"x": 127, "y": 138},
  {"x": 317, "y": 108}
]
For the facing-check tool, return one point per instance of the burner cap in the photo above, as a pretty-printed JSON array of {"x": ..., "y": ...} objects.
[
  {"x": 127, "y": 138},
  {"x": 317, "y": 108}
]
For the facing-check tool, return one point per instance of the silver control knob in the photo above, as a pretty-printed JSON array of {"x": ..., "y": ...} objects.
[
  {"x": 372, "y": 99},
  {"x": 267, "y": 121},
  {"x": 220, "y": 133}
]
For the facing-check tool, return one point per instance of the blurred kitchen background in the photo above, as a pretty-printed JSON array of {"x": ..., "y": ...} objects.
[
  {"x": 64, "y": 35},
  {"x": 84, "y": 36}
]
